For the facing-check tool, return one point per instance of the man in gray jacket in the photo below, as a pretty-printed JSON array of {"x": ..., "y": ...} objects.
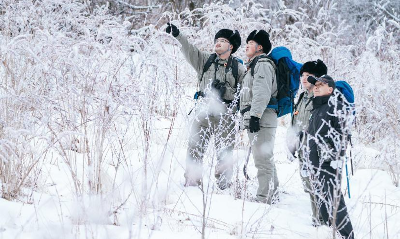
[
  {"x": 219, "y": 76},
  {"x": 259, "y": 86},
  {"x": 300, "y": 119}
]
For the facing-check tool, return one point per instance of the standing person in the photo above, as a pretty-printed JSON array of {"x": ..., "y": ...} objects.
[
  {"x": 300, "y": 118},
  {"x": 219, "y": 76},
  {"x": 326, "y": 141},
  {"x": 261, "y": 122}
]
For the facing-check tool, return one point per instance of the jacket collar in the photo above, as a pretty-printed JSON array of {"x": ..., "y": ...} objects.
[
  {"x": 221, "y": 61},
  {"x": 308, "y": 95},
  {"x": 248, "y": 64},
  {"x": 319, "y": 101},
  {"x": 254, "y": 57}
]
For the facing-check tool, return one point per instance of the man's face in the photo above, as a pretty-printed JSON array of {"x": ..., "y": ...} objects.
[
  {"x": 304, "y": 82},
  {"x": 322, "y": 89},
  {"x": 251, "y": 48},
  {"x": 222, "y": 45}
]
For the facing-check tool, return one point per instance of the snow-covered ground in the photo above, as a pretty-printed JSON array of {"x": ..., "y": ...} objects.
[{"x": 175, "y": 211}]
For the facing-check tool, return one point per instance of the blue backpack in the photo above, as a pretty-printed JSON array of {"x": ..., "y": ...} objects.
[
  {"x": 348, "y": 93},
  {"x": 288, "y": 80}
]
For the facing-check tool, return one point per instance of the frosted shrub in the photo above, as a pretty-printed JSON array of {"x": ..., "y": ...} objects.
[
  {"x": 379, "y": 109},
  {"x": 78, "y": 82}
]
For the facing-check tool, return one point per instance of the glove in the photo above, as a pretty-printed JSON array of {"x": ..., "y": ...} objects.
[
  {"x": 291, "y": 156},
  {"x": 254, "y": 124},
  {"x": 305, "y": 170},
  {"x": 292, "y": 142},
  {"x": 337, "y": 164},
  {"x": 175, "y": 30}
]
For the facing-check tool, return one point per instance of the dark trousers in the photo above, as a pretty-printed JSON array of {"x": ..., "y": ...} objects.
[{"x": 332, "y": 202}]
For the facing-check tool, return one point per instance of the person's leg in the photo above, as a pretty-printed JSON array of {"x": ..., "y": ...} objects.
[
  {"x": 333, "y": 205},
  {"x": 317, "y": 219},
  {"x": 305, "y": 178},
  {"x": 343, "y": 222},
  {"x": 262, "y": 144},
  {"x": 224, "y": 140},
  {"x": 198, "y": 142}
]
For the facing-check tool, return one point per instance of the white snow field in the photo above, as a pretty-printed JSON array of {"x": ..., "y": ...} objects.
[{"x": 171, "y": 210}]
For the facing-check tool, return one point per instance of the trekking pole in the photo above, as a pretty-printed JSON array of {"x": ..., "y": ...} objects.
[
  {"x": 245, "y": 165},
  {"x": 351, "y": 157},
  {"x": 191, "y": 110},
  {"x": 348, "y": 181},
  {"x": 351, "y": 163}
]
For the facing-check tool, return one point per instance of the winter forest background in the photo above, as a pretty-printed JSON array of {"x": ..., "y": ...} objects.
[{"x": 94, "y": 122}]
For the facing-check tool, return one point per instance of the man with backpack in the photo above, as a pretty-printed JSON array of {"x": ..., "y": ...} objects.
[
  {"x": 219, "y": 76},
  {"x": 259, "y": 86},
  {"x": 325, "y": 147},
  {"x": 300, "y": 118}
]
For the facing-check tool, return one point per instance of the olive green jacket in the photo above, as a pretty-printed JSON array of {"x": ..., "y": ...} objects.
[
  {"x": 302, "y": 112},
  {"x": 257, "y": 91}
]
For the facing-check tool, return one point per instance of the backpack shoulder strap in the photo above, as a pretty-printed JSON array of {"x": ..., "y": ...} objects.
[
  {"x": 235, "y": 69},
  {"x": 210, "y": 60},
  {"x": 299, "y": 100},
  {"x": 254, "y": 63},
  {"x": 233, "y": 63},
  {"x": 228, "y": 64}
]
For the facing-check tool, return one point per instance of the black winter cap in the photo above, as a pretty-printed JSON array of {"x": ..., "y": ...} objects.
[
  {"x": 262, "y": 38},
  {"x": 324, "y": 79},
  {"x": 232, "y": 37},
  {"x": 317, "y": 68}
]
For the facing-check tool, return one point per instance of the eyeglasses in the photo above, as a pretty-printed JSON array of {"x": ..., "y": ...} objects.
[{"x": 221, "y": 40}]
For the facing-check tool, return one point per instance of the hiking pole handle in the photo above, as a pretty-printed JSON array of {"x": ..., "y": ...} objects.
[
  {"x": 348, "y": 181},
  {"x": 351, "y": 156}
]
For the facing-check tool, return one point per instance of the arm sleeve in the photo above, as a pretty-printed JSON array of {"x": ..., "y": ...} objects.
[
  {"x": 192, "y": 54},
  {"x": 241, "y": 74},
  {"x": 262, "y": 88},
  {"x": 341, "y": 128},
  {"x": 338, "y": 124}
]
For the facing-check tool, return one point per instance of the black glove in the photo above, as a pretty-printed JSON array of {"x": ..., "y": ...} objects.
[
  {"x": 254, "y": 125},
  {"x": 175, "y": 30}
]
